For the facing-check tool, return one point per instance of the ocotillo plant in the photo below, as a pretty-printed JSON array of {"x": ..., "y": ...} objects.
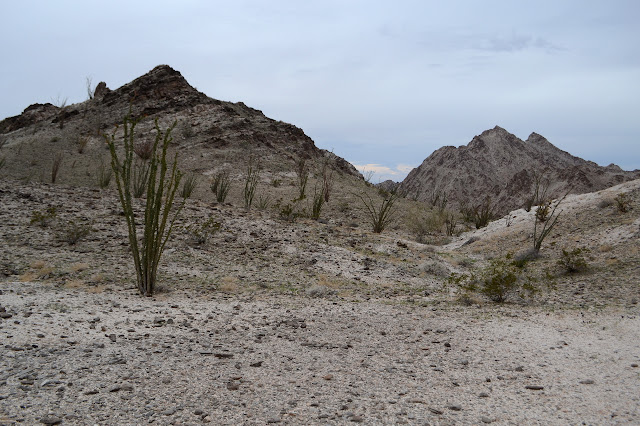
[{"x": 162, "y": 184}]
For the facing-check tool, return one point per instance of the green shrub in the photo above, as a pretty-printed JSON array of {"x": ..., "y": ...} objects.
[
  {"x": 189, "y": 185},
  {"x": 220, "y": 186},
  {"x": 498, "y": 281},
  {"x": 43, "y": 218},
  {"x": 573, "y": 261},
  {"x": 202, "y": 232},
  {"x": 73, "y": 232},
  {"x": 250, "y": 184},
  {"x": 161, "y": 186}
]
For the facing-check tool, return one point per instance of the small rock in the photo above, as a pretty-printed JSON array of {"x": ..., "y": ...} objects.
[
  {"x": 328, "y": 377},
  {"x": 50, "y": 420},
  {"x": 256, "y": 364},
  {"x": 112, "y": 337},
  {"x": 198, "y": 412},
  {"x": 586, "y": 382},
  {"x": 454, "y": 407},
  {"x": 435, "y": 411},
  {"x": 273, "y": 420},
  {"x": 484, "y": 419},
  {"x": 356, "y": 419},
  {"x": 534, "y": 387},
  {"x": 483, "y": 395},
  {"x": 634, "y": 365}
]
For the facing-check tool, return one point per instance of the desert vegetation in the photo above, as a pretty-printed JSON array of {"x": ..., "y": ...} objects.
[{"x": 160, "y": 183}]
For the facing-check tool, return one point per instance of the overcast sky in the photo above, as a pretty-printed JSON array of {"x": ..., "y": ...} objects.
[{"x": 382, "y": 84}]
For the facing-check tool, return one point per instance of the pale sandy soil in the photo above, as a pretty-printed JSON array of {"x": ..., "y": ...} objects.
[{"x": 116, "y": 358}]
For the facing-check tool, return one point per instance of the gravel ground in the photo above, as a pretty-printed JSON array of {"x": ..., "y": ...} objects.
[{"x": 76, "y": 357}]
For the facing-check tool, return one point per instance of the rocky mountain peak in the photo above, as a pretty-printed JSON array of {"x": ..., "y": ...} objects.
[
  {"x": 161, "y": 89},
  {"x": 499, "y": 165}
]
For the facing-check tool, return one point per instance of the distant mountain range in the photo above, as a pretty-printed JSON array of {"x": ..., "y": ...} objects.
[
  {"x": 212, "y": 135},
  {"x": 499, "y": 165}
]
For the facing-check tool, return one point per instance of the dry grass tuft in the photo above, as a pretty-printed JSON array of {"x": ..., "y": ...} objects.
[{"x": 228, "y": 284}]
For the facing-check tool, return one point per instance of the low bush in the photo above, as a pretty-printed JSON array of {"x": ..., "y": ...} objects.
[
  {"x": 43, "y": 218},
  {"x": 573, "y": 261},
  {"x": 73, "y": 232},
  {"x": 498, "y": 281},
  {"x": 200, "y": 233}
]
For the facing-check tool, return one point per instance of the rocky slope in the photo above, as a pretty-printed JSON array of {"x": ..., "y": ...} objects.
[
  {"x": 210, "y": 135},
  {"x": 499, "y": 165}
]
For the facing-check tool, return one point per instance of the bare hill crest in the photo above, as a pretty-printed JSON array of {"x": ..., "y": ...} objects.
[
  {"x": 499, "y": 165},
  {"x": 210, "y": 134}
]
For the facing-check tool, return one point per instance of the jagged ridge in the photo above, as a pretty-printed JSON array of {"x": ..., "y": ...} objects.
[{"x": 498, "y": 164}]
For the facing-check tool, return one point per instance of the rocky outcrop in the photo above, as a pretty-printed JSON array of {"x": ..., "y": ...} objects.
[{"x": 499, "y": 165}]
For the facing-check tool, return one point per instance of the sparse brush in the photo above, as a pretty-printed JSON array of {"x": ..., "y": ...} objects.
[
  {"x": 318, "y": 202},
  {"x": 543, "y": 210},
  {"x": 140, "y": 173},
  {"x": 439, "y": 199},
  {"x": 73, "y": 232},
  {"x": 484, "y": 213},
  {"x": 380, "y": 216},
  {"x": 264, "y": 202},
  {"x": 327, "y": 181},
  {"x": 450, "y": 222},
  {"x": 43, "y": 218},
  {"x": 201, "y": 233},
  {"x": 573, "y": 261},
  {"x": 288, "y": 212},
  {"x": 104, "y": 176},
  {"x": 55, "y": 166},
  {"x": 143, "y": 149},
  {"x": 542, "y": 229},
  {"x": 220, "y": 186},
  {"x": 623, "y": 203},
  {"x": 81, "y": 143},
  {"x": 250, "y": 183},
  {"x": 302, "y": 172},
  {"x": 541, "y": 184},
  {"x": 189, "y": 185}
]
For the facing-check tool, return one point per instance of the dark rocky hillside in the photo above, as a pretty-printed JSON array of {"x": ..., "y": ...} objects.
[
  {"x": 499, "y": 165},
  {"x": 210, "y": 134}
]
